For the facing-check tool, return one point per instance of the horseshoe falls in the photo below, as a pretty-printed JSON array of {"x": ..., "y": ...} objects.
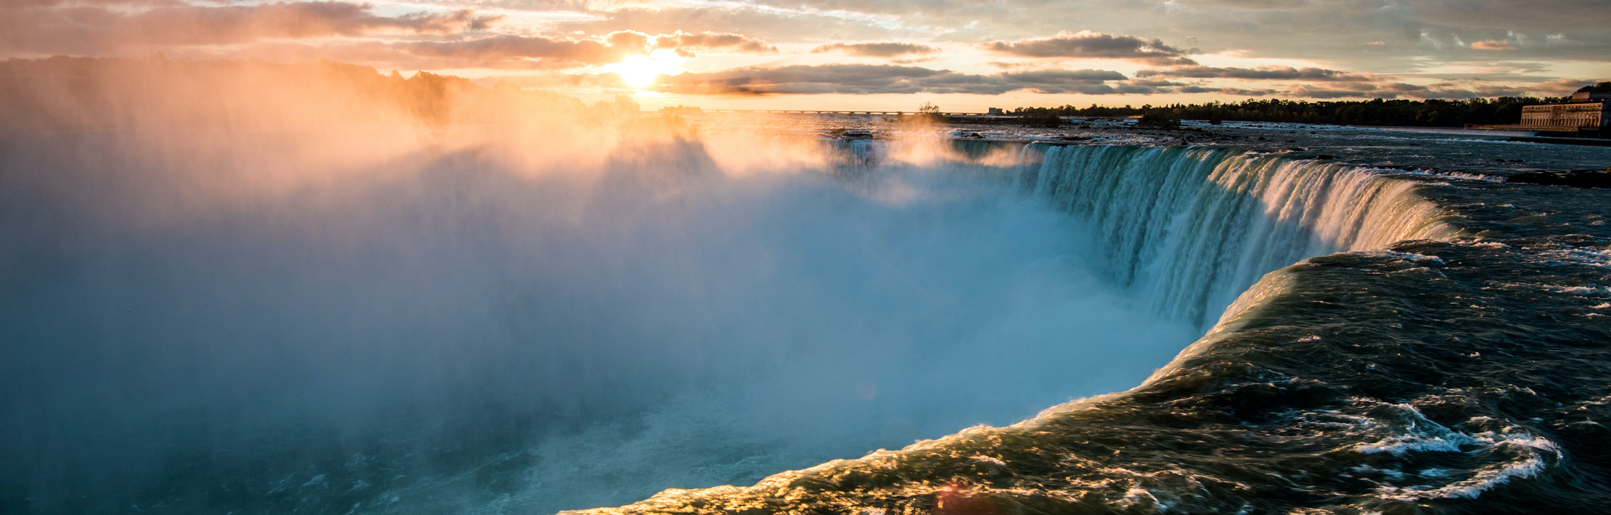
[
  {"x": 393, "y": 320},
  {"x": 1193, "y": 228}
]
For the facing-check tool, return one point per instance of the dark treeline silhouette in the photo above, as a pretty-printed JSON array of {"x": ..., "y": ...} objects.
[{"x": 1411, "y": 113}]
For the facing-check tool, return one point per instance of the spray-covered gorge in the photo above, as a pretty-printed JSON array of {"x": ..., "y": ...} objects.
[{"x": 445, "y": 322}]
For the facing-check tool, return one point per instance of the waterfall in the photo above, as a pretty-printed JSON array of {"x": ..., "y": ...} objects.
[
  {"x": 1194, "y": 227},
  {"x": 179, "y": 309}
]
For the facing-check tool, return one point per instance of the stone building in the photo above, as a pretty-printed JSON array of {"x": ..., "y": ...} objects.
[{"x": 1584, "y": 110}]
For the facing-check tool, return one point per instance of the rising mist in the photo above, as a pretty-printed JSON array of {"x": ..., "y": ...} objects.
[{"x": 274, "y": 287}]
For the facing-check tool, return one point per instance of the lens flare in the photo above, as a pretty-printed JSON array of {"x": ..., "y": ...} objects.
[{"x": 641, "y": 71}]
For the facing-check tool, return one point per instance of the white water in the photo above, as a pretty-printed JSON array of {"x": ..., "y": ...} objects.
[
  {"x": 661, "y": 318},
  {"x": 1194, "y": 228}
]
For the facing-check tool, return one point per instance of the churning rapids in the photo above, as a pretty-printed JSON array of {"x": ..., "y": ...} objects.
[{"x": 433, "y": 328}]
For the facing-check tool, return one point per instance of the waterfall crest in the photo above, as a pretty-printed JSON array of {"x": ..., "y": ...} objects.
[{"x": 1193, "y": 227}]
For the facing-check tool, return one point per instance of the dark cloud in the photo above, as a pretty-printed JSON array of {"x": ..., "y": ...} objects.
[
  {"x": 1231, "y": 91},
  {"x": 1087, "y": 44},
  {"x": 1392, "y": 90},
  {"x": 485, "y": 51},
  {"x": 1513, "y": 14},
  {"x": 1259, "y": 73},
  {"x": 801, "y": 79},
  {"x": 88, "y": 28},
  {"x": 861, "y": 79},
  {"x": 686, "y": 42},
  {"x": 878, "y": 49},
  {"x": 1562, "y": 87}
]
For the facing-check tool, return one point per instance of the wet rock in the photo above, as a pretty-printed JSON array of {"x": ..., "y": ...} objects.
[{"x": 1573, "y": 178}]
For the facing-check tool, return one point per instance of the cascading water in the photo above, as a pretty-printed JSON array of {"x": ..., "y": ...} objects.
[
  {"x": 1194, "y": 228},
  {"x": 445, "y": 328},
  {"x": 1387, "y": 364}
]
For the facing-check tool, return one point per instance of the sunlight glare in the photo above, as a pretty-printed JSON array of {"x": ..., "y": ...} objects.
[{"x": 641, "y": 71}]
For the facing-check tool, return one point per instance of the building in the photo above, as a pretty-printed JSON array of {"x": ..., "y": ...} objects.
[{"x": 1584, "y": 110}]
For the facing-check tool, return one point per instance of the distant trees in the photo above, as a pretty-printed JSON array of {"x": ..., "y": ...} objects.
[
  {"x": 1160, "y": 118},
  {"x": 1414, "y": 113},
  {"x": 1068, "y": 110}
]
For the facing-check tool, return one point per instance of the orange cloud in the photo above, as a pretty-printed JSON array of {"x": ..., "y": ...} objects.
[
  {"x": 1492, "y": 45},
  {"x": 684, "y": 41},
  {"x": 877, "y": 49},
  {"x": 77, "y": 28}
]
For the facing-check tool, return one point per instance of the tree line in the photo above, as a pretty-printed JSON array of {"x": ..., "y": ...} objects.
[{"x": 1409, "y": 113}]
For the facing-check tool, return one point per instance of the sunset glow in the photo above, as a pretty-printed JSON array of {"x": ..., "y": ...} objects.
[
  {"x": 961, "y": 55},
  {"x": 641, "y": 71}
]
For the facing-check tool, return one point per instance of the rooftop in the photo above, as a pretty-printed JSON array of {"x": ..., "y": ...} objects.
[{"x": 1585, "y": 96}]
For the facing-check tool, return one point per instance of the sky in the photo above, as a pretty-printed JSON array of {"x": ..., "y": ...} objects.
[{"x": 960, "y": 55}]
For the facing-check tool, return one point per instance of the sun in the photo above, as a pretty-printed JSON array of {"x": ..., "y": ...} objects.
[{"x": 640, "y": 71}]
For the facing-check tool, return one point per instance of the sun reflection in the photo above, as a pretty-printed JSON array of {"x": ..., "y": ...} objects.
[{"x": 640, "y": 71}]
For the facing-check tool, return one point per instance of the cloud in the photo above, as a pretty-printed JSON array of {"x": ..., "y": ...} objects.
[
  {"x": 772, "y": 24},
  {"x": 1087, "y": 44},
  {"x": 1259, "y": 73},
  {"x": 1515, "y": 14},
  {"x": 877, "y": 49},
  {"x": 78, "y": 28},
  {"x": 1562, "y": 87},
  {"x": 500, "y": 51},
  {"x": 1262, "y": 5},
  {"x": 865, "y": 79},
  {"x": 1391, "y": 90},
  {"x": 510, "y": 47},
  {"x": 1358, "y": 90},
  {"x": 686, "y": 42},
  {"x": 1492, "y": 45},
  {"x": 878, "y": 79},
  {"x": 488, "y": 51}
]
